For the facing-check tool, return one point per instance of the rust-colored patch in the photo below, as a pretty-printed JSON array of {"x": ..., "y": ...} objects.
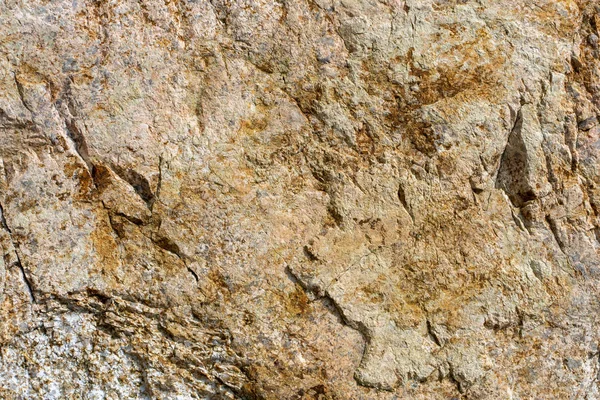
[
  {"x": 74, "y": 170},
  {"x": 469, "y": 70},
  {"x": 372, "y": 292},
  {"x": 254, "y": 125},
  {"x": 405, "y": 315},
  {"x": 105, "y": 246},
  {"x": 364, "y": 141},
  {"x": 546, "y": 17},
  {"x": 219, "y": 282},
  {"x": 442, "y": 5},
  {"x": 297, "y": 302},
  {"x": 102, "y": 177}
]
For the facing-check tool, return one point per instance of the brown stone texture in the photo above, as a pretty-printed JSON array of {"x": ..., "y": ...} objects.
[{"x": 299, "y": 199}]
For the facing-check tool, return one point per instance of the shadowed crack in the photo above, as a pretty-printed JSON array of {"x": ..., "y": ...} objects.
[
  {"x": 324, "y": 296},
  {"x": 402, "y": 198},
  {"x": 512, "y": 158},
  {"x": 158, "y": 185},
  {"x": 138, "y": 182},
  {"x": 555, "y": 232},
  {"x": 432, "y": 334},
  {"x": 21, "y": 93},
  {"x": 66, "y": 109},
  {"x": 170, "y": 246},
  {"x": 335, "y": 308},
  {"x": 79, "y": 142},
  {"x": 19, "y": 263}
]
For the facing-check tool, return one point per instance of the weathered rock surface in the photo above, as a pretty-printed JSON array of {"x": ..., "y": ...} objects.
[{"x": 312, "y": 199}]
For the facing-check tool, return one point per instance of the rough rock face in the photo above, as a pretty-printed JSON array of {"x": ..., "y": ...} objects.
[{"x": 299, "y": 199}]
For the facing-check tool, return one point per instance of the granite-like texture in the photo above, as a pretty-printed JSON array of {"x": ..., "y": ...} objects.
[{"x": 299, "y": 199}]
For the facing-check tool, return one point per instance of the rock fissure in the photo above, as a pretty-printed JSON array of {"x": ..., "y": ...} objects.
[{"x": 18, "y": 262}]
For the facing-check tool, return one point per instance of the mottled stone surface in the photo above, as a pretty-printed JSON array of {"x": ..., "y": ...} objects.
[{"x": 307, "y": 199}]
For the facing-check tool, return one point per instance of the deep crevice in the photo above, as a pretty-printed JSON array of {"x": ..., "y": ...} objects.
[
  {"x": 504, "y": 178},
  {"x": 194, "y": 274},
  {"x": 432, "y": 334},
  {"x": 25, "y": 278},
  {"x": 138, "y": 182},
  {"x": 402, "y": 198},
  {"x": 168, "y": 245},
  {"x": 554, "y": 229},
  {"x": 156, "y": 195}
]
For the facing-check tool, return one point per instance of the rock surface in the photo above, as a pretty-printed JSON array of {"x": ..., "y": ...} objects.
[{"x": 312, "y": 199}]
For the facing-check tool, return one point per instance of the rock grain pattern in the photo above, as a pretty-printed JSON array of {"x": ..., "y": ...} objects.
[{"x": 299, "y": 199}]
